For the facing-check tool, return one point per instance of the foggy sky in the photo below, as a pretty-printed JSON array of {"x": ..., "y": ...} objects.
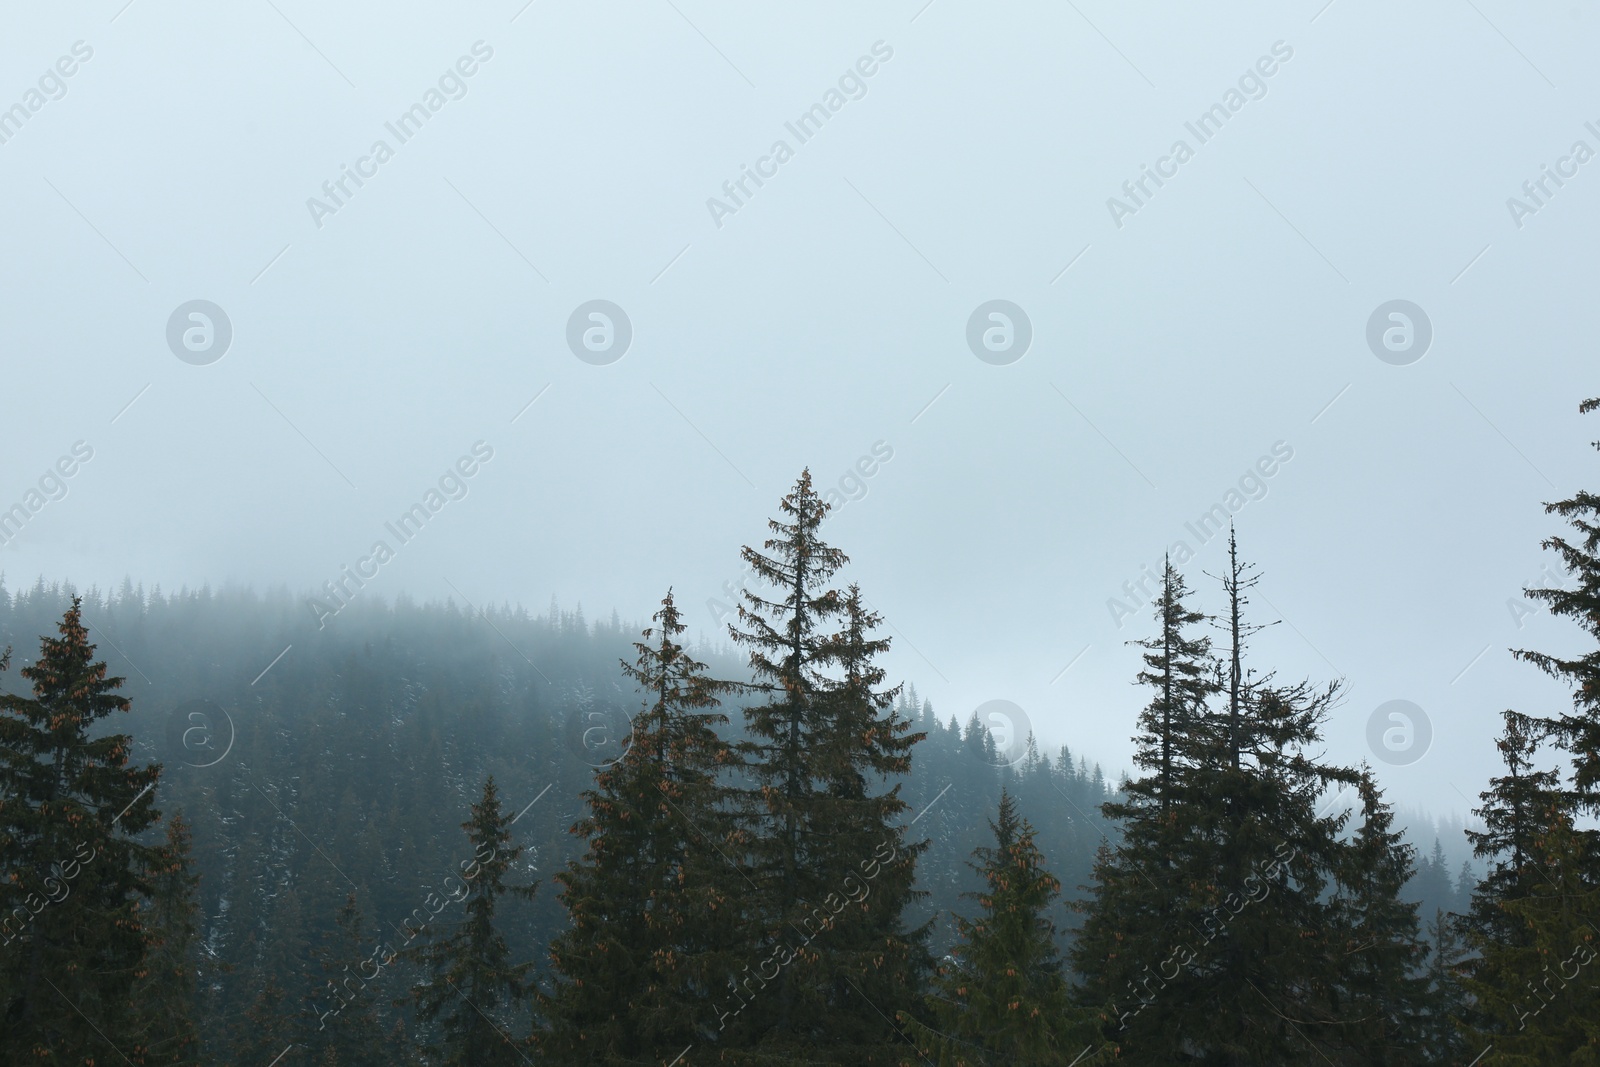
[{"x": 1180, "y": 333}]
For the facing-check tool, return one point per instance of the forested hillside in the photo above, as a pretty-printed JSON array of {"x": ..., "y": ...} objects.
[
  {"x": 349, "y": 766},
  {"x": 422, "y": 835}
]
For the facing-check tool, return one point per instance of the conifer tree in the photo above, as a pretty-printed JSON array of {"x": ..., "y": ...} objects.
[
  {"x": 1535, "y": 999},
  {"x": 351, "y": 1031},
  {"x": 1232, "y": 923},
  {"x": 166, "y": 996},
  {"x": 869, "y": 955},
  {"x": 820, "y": 921},
  {"x": 1558, "y": 1005},
  {"x": 470, "y": 984},
  {"x": 1514, "y": 812},
  {"x": 1380, "y": 1002},
  {"x": 1236, "y": 585},
  {"x": 276, "y": 987},
  {"x": 978, "y": 742},
  {"x": 1140, "y": 888},
  {"x": 74, "y": 880},
  {"x": 1465, "y": 882},
  {"x": 1447, "y": 1001},
  {"x": 653, "y": 901},
  {"x": 1577, "y": 731},
  {"x": 267, "y": 1029},
  {"x": 1180, "y": 671},
  {"x": 1433, "y": 886},
  {"x": 1002, "y": 997},
  {"x": 1535, "y": 917}
]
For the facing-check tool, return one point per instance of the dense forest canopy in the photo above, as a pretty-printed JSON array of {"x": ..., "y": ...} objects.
[
  {"x": 235, "y": 832},
  {"x": 350, "y": 764}
]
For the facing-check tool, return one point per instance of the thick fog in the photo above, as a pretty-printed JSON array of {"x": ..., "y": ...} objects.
[{"x": 557, "y": 300}]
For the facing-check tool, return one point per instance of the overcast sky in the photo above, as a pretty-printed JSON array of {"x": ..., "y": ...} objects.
[{"x": 1360, "y": 153}]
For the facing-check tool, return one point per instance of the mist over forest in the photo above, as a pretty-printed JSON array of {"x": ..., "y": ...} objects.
[
  {"x": 682, "y": 807},
  {"x": 693, "y": 534}
]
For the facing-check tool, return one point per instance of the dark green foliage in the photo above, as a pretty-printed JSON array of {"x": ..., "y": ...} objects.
[
  {"x": 652, "y": 899},
  {"x": 1141, "y": 889},
  {"x": 72, "y": 878},
  {"x": 1577, "y": 731},
  {"x": 351, "y": 755},
  {"x": 1534, "y": 924},
  {"x": 165, "y": 998},
  {"x": 1237, "y": 921},
  {"x": 471, "y": 990},
  {"x": 1002, "y": 997},
  {"x": 830, "y": 959},
  {"x": 278, "y": 983},
  {"x": 351, "y": 1030},
  {"x": 1515, "y": 812},
  {"x": 873, "y": 958},
  {"x": 1380, "y": 1002},
  {"x": 1441, "y": 1029},
  {"x": 1434, "y": 889},
  {"x": 267, "y": 1028},
  {"x": 1533, "y": 989},
  {"x": 1182, "y": 734},
  {"x": 758, "y": 896}
]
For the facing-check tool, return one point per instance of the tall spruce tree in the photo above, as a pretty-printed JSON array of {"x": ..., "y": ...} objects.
[
  {"x": 1002, "y": 998},
  {"x": 470, "y": 985},
  {"x": 1141, "y": 893},
  {"x": 653, "y": 901},
  {"x": 821, "y": 921},
  {"x": 1577, "y": 732},
  {"x": 1516, "y": 811},
  {"x": 1442, "y": 1031},
  {"x": 870, "y": 954},
  {"x": 1535, "y": 917},
  {"x": 1346, "y": 989},
  {"x": 75, "y": 880},
  {"x": 1535, "y": 996},
  {"x": 1233, "y": 923},
  {"x": 1180, "y": 671},
  {"x": 1558, "y": 1013}
]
